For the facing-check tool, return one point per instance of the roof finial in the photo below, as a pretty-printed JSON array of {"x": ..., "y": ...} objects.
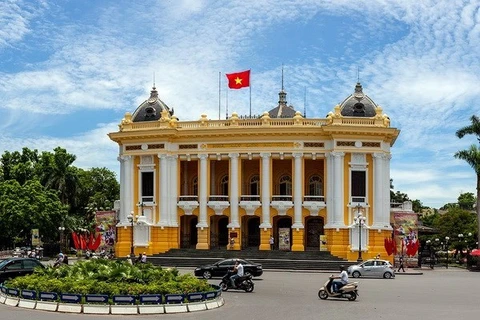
[
  {"x": 358, "y": 74},
  {"x": 305, "y": 103},
  {"x": 154, "y": 79}
]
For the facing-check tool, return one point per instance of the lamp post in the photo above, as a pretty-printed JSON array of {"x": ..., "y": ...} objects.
[
  {"x": 61, "y": 229},
  {"x": 432, "y": 256},
  {"x": 130, "y": 219},
  {"x": 359, "y": 221},
  {"x": 446, "y": 248},
  {"x": 140, "y": 204}
]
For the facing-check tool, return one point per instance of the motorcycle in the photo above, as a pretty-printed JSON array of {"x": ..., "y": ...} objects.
[
  {"x": 243, "y": 283},
  {"x": 348, "y": 291}
]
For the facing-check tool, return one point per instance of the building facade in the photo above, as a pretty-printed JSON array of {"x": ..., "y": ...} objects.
[{"x": 234, "y": 183}]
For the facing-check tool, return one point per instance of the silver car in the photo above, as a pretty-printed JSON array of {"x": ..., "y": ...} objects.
[{"x": 372, "y": 268}]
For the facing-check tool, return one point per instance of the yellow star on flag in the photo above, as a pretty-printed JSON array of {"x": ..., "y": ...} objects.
[{"x": 238, "y": 80}]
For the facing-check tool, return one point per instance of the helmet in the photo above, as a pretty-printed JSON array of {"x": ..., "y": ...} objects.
[{"x": 342, "y": 267}]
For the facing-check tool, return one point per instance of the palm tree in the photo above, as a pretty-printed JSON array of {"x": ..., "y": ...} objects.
[{"x": 472, "y": 157}]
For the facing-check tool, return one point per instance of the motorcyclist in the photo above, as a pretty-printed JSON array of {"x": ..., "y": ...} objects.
[
  {"x": 238, "y": 268},
  {"x": 59, "y": 260},
  {"x": 340, "y": 280}
]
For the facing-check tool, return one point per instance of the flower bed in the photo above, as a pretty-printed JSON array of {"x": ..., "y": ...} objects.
[{"x": 113, "y": 279}]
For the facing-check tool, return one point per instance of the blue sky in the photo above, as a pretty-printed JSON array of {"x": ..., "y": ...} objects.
[{"x": 70, "y": 69}]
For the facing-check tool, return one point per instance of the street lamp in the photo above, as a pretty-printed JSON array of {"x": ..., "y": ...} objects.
[
  {"x": 432, "y": 255},
  {"x": 446, "y": 247},
  {"x": 130, "y": 219},
  {"x": 61, "y": 229},
  {"x": 359, "y": 221}
]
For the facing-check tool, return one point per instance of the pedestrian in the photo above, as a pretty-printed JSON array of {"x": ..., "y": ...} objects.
[
  {"x": 139, "y": 258},
  {"x": 400, "y": 261},
  {"x": 144, "y": 258},
  {"x": 59, "y": 260},
  {"x": 272, "y": 243},
  {"x": 129, "y": 259}
]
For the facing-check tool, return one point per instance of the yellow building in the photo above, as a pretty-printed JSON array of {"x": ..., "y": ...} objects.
[{"x": 201, "y": 184}]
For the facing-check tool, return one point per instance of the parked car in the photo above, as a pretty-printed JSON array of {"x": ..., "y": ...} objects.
[
  {"x": 15, "y": 267},
  {"x": 220, "y": 268},
  {"x": 372, "y": 268}
]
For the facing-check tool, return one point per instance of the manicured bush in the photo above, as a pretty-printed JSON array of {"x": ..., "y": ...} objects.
[{"x": 111, "y": 278}]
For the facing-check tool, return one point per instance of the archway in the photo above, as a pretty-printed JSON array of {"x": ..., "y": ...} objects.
[
  {"x": 188, "y": 231},
  {"x": 218, "y": 232},
  {"x": 282, "y": 232},
  {"x": 313, "y": 231},
  {"x": 250, "y": 232}
]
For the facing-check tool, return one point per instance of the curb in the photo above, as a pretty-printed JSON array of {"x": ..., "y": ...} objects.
[{"x": 106, "y": 309}]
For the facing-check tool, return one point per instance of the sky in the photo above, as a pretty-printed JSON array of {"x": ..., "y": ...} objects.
[{"x": 70, "y": 69}]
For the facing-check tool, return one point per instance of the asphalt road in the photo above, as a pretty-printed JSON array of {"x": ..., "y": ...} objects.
[{"x": 437, "y": 294}]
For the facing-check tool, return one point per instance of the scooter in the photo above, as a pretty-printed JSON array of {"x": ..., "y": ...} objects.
[
  {"x": 348, "y": 291},
  {"x": 243, "y": 283}
]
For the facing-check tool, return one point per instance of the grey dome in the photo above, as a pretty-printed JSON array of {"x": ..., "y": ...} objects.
[
  {"x": 358, "y": 104},
  {"x": 151, "y": 109}
]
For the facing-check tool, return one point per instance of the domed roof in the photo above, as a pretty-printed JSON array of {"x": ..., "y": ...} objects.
[
  {"x": 282, "y": 110},
  {"x": 151, "y": 109},
  {"x": 358, "y": 104}
]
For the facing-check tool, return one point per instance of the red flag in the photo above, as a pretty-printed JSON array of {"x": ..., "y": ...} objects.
[
  {"x": 97, "y": 242},
  {"x": 75, "y": 241},
  {"x": 83, "y": 242},
  {"x": 90, "y": 241},
  {"x": 238, "y": 80}
]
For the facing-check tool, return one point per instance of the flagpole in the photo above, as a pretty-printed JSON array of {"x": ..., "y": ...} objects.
[
  {"x": 226, "y": 107},
  {"x": 219, "y": 93},
  {"x": 250, "y": 85}
]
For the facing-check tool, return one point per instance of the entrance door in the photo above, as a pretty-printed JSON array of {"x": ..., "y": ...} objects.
[
  {"x": 188, "y": 231},
  {"x": 314, "y": 229},
  {"x": 250, "y": 232},
  {"x": 283, "y": 238},
  {"x": 218, "y": 232}
]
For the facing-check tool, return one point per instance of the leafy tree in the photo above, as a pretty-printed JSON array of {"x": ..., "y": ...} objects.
[
  {"x": 20, "y": 166},
  {"x": 26, "y": 207},
  {"x": 58, "y": 174},
  {"x": 466, "y": 201},
  {"x": 472, "y": 157}
]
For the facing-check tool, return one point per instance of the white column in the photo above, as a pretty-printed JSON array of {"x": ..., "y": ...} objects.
[
  {"x": 265, "y": 190},
  {"x": 128, "y": 165},
  {"x": 297, "y": 191},
  {"x": 329, "y": 195},
  {"x": 203, "y": 192},
  {"x": 173, "y": 190},
  {"x": 234, "y": 194},
  {"x": 378, "y": 190},
  {"x": 122, "y": 216},
  {"x": 386, "y": 194},
  {"x": 163, "y": 189},
  {"x": 338, "y": 186}
]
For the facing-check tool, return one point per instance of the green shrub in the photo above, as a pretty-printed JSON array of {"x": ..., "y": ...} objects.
[{"x": 110, "y": 278}]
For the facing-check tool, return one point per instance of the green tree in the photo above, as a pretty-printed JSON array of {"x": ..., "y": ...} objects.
[
  {"x": 466, "y": 201},
  {"x": 472, "y": 157},
  {"x": 26, "y": 207},
  {"x": 20, "y": 166},
  {"x": 58, "y": 173}
]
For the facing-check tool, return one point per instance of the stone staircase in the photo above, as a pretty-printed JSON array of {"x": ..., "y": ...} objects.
[{"x": 305, "y": 260}]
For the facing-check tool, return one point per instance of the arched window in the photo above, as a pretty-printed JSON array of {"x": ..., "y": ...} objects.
[
  {"x": 255, "y": 185},
  {"x": 224, "y": 186},
  {"x": 285, "y": 185},
  {"x": 315, "y": 186},
  {"x": 195, "y": 186}
]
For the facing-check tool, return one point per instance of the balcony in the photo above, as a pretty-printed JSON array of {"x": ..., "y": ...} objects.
[
  {"x": 314, "y": 204},
  {"x": 218, "y": 203},
  {"x": 250, "y": 203},
  {"x": 282, "y": 203},
  {"x": 188, "y": 204}
]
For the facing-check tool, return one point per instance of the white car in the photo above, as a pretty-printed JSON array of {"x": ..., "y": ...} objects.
[{"x": 372, "y": 268}]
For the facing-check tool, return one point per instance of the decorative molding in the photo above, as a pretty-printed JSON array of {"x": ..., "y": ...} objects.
[
  {"x": 156, "y": 146},
  {"x": 135, "y": 147},
  {"x": 345, "y": 143},
  {"x": 314, "y": 145},
  {"x": 250, "y": 145},
  {"x": 188, "y": 146}
]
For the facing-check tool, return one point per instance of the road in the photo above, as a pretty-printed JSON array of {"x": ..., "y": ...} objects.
[{"x": 437, "y": 294}]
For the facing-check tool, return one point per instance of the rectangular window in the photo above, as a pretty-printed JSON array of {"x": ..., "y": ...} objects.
[
  {"x": 147, "y": 186},
  {"x": 359, "y": 186}
]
